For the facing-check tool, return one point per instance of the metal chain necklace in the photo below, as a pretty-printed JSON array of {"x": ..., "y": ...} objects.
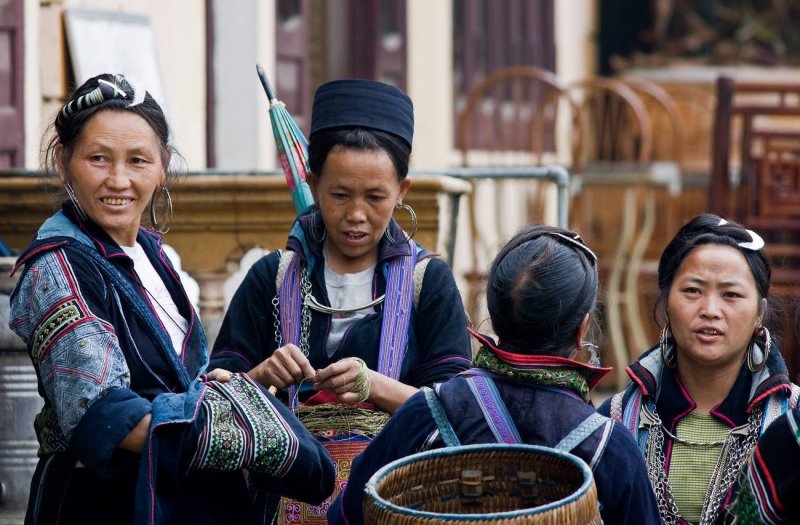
[
  {"x": 736, "y": 449},
  {"x": 174, "y": 321},
  {"x": 688, "y": 443},
  {"x": 305, "y": 314}
]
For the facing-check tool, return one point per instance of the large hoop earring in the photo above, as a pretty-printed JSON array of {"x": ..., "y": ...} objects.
[
  {"x": 751, "y": 364},
  {"x": 414, "y": 225},
  {"x": 662, "y": 343},
  {"x": 163, "y": 226},
  {"x": 74, "y": 199},
  {"x": 314, "y": 233}
]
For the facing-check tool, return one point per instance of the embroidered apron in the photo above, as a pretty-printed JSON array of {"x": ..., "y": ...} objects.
[{"x": 344, "y": 445}]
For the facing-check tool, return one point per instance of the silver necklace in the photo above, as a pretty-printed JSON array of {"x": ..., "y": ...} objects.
[
  {"x": 736, "y": 449},
  {"x": 174, "y": 321},
  {"x": 709, "y": 444}
]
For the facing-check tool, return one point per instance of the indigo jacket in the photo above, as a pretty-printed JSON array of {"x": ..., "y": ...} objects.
[
  {"x": 543, "y": 416},
  {"x": 657, "y": 388},
  {"x": 104, "y": 361}
]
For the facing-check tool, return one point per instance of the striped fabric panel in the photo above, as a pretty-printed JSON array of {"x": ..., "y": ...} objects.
[
  {"x": 691, "y": 467},
  {"x": 760, "y": 489},
  {"x": 397, "y": 314},
  {"x": 494, "y": 410}
]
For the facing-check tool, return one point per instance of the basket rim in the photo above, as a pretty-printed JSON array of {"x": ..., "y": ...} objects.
[{"x": 371, "y": 491}]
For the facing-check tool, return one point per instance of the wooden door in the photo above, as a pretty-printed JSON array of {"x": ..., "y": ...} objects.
[
  {"x": 378, "y": 41},
  {"x": 11, "y": 84},
  {"x": 292, "y": 69}
]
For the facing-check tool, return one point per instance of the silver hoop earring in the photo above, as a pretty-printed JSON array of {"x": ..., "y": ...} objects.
[
  {"x": 594, "y": 355},
  {"x": 751, "y": 364},
  {"x": 163, "y": 226},
  {"x": 75, "y": 202},
  {"x": 669, "y": 361},
  {"x": 413, "y": 214},
  {"x": 313, "y": 232}
]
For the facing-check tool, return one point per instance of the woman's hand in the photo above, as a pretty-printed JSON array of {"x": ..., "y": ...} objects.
[
  {"x": 384, "y": 392},
  {"x": 348, "y": 378},
  {"x": 220, "y": 374},
  {"x": 285, "y": 367}
]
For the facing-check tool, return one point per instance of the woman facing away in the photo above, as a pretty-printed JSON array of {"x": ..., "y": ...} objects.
[
  {"x": 527, "y": 388},
  {"x": 354, "y": 311},
  {"x": 131, "y": 430},
  {"x": 699, "y": 399}
]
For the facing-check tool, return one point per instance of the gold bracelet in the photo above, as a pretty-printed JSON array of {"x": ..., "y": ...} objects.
[{"x": 362, "y": 383}]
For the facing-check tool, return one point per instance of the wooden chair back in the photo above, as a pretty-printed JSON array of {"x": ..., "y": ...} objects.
[
  {"x": 613, "y": 124},
  {"x": 665, "y": 119},
  {"x": 511, "y": 118},
  {"x": 747, "y": 115}
]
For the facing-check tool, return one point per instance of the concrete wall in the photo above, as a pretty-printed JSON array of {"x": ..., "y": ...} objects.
[
  {"x": 179, "y": 31},
  {"x": 244, "y": 37}
]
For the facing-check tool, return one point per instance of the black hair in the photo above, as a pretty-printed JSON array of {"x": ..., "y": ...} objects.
[
  {"x": 540, "y": 288},
  {"x": 86, "y": 101},
  {"x": 322, "y": 142},
  {"x": 701, "y": 230}
]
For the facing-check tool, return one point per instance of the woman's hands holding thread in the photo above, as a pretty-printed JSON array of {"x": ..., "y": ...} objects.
[
  {"x": 285, "y": 367},
  {"x": 348, "y": 378}
]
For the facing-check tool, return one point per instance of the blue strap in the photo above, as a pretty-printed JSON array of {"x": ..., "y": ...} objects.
[
  {"x": 494, "y": 409},
  {"x": 440, "y": 418},
  {"x": 580, "y": 433}
]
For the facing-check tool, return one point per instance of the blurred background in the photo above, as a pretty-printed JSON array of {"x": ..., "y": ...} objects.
[{"x": 619, "y": 118}]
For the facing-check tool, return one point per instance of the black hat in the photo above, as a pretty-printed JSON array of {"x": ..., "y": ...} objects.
[{"x": 363, "y": 103}]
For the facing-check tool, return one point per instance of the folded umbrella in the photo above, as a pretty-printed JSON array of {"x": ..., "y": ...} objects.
[{"x": 292, "y": 148}]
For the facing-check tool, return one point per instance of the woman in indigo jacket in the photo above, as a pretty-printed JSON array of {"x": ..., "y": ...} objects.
[
  {"x": 698, "y": 401},
  {"x": 363, "y": 311},
  {"x": 131, "y": 430},
  {"x": 532, "y": 387},
  {"x": 354, "y": 311}
]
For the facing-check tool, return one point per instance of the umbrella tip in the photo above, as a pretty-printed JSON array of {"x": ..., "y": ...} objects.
[{"x": 262, "y": 75}]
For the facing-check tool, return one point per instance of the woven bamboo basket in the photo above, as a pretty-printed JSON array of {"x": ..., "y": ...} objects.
[{"x": 490, "y": 483}]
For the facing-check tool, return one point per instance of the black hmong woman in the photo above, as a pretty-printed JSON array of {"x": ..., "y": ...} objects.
[
  {"x": 528, "y": 388},
  {"x": 699, "y": 399},
  {"x": 131, "y": 429},
  {"x": 354, "y": 311}
]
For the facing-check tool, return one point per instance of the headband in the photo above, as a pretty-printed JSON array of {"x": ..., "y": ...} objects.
[
  {"x": 756, "y": 242},
  {"x": 104, "y": 91}
]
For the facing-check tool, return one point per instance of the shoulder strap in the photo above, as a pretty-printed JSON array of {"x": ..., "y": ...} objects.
[
  {"x": 286, "y": 257},
  {"x": 616, "y": 406},
  {"x": 580, "y": 433},
  {"x": 419, "y": 276},
  {"x": 437, "y": 411},
  {"x": 494, "y": 409}
]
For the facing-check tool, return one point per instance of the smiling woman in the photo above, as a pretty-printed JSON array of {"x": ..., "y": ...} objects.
[
  {"x": 115, "y": 167},
  {"x": 702, "y": 396},
  {"x": 119, "y": 352}
]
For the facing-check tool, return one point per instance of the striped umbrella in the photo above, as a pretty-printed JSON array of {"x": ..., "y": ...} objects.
[{"x": 292, "y": 148}]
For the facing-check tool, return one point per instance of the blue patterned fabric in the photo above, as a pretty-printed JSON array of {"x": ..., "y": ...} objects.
[{"x": 192, "y": 464}]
